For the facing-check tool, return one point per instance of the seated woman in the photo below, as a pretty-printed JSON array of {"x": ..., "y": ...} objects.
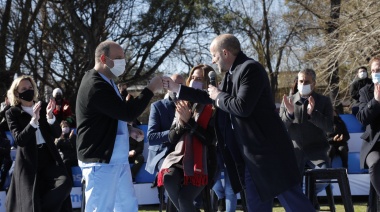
[
  {"x": 186, "y": 171},
  {"x": 66, "y": 145},
  {"x": 338, "y": 140}
]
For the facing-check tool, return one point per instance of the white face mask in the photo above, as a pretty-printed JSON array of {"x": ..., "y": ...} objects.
[
  {"x": 65, "y": 130},
  {"x": 375, "y": 78},
  {"x": 304, "y": 89},
  {"x": 196, "y": 84},
  {"x": 362, "y": 75},
  {"x": 118, "y": 67}
]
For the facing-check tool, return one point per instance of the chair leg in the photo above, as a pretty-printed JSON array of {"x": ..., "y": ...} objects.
[
  {"x": 330, "y": 197},
  {"x": 345, "y": 191}
]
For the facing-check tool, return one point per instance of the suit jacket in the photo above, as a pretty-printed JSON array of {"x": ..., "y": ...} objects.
[
  {"x": 369, "y": 116},
  {"x": 260, "y": 135},
  {"x": 308, "y": 133},
  {"x": 21, "y": 195},
  {"x": 98, "y": 109},
  {"x": 160, "y": 120},
  {"x": 356, "y": 86}
]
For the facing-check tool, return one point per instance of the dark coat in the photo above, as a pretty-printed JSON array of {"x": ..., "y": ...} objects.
[
  {"x": 21, "y": 193},
  {"x": 260, "y": 135},
  {"x": 309, "y": 132},
  {"x": 340, "y": 128},
  {"x": 98, "y": 109},
  {"x": 66, "y": 146},
  {"x": 160, "y": 120},
  {"x": 369, "y": 116},
  {"x": 356, "y": 86}
]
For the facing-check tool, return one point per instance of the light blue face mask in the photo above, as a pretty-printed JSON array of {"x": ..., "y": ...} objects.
[
  {"x": 375, "y": 78},
  {"x": 196, "y": 84}
]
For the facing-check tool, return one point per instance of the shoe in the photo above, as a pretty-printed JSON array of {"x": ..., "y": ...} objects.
[
  {"x": 163, "y": 205},
  {"x": 222, "y": 204}
]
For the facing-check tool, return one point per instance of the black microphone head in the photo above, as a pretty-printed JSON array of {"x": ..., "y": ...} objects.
[{"x": 212, "y": 76}]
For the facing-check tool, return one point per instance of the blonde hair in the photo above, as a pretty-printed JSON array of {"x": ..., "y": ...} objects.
[{"x": 13, "y": 93}]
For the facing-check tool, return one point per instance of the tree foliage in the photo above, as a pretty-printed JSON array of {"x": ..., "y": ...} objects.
[{"x": 55, "y": 41}]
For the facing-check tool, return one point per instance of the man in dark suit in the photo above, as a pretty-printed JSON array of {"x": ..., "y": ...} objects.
[
  {"x": 160, "y": 120},
  {"x": 103, "y": 135},
  {"x": 362, "y": 80},
  {"x": 308, "y": 116},
  {"x": 249, "y": 130},
  {"x": 369, "y": 116}
]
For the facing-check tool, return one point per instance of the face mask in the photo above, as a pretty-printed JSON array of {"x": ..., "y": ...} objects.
[
  {"x": 304, "y": 89},
  {"x": 124, "y": 93},
  {"x": 362, "y": 75},
  {"x": 58, "y": 97},
  {"x": 27, "y": 95},
  {"x": 196, "y": 84},
  {"x": 65, "y": 130},
  {"x": 118, "y": 67},
  {"x": 375, "y": 78}
]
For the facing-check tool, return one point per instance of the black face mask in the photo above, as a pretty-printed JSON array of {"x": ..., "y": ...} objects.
[
  {"x": 58, "y": 97},
  {"x": 27, "y": 95},
  {"x": 124, "y": 93}
]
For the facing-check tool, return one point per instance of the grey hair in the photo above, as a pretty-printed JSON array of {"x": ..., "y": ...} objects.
[{"x": 309, "y": 72}]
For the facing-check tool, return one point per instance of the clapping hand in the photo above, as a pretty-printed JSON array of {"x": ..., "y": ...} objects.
[
  {"x": 377, "y": 92},
  {"x": 50, "y": 109},
  {"x": 338, "y": 137},
  {"x": 183, "y": 111},
  {"x": 288, "y": 102},
  {"x": 36, "y": 111},
  {"x": 310, "y": 106}
]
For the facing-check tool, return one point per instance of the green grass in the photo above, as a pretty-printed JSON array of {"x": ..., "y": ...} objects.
[{"x": 360, "y": 205}]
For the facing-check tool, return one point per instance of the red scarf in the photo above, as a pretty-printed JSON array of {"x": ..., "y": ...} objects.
[{"x": 194, "y": 156}]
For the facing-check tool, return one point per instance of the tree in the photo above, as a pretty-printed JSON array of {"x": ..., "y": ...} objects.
[
  {"x": 261, "y": 27},
  {"x": 55, "y": 40}
]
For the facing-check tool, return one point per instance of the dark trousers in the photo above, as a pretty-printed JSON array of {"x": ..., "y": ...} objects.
[
  {"x": 53, "y": 183},
  {"x": 293, "y": 199},
  {"x": 137, "y": 161},
  {"x": 342, "y": 151},
  {"x": 182, "y": 196},
  {"x": 373, "y": 162}
]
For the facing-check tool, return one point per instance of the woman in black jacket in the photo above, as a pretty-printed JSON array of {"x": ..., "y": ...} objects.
[
  {"x": 188, "y": 169},
  {"x": 40, "y": 181},
  {"x": 338, "y": 140}
]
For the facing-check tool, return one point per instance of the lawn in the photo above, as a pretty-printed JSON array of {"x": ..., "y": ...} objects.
[{"x": 360, "y": 205}]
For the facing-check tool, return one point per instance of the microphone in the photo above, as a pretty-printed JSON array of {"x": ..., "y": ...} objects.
[{"x": 212, "y": 76}]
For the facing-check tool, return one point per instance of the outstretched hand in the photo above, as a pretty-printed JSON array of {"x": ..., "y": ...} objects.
[
  {"x": 169, "y": 84},
  {"x": 50, "y": 108},
  {"x": 155, "y": 84}
]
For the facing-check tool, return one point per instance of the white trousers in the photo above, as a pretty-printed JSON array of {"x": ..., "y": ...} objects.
[{"x": 109, "y": 188}]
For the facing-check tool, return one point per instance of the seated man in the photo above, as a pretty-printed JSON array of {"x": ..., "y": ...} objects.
[
  {"x": 362, "y": 80},
  {"x": 136, "y": 147}
]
